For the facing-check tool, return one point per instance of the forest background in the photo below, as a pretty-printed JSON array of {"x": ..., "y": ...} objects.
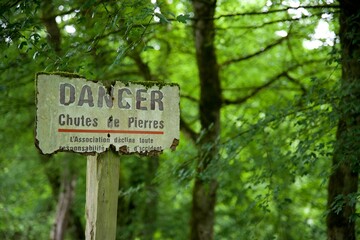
[{"x": 269, "y": 117}]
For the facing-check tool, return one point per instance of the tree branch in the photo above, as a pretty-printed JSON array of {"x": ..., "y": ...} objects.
[
  {"x": 272, "y": 22},
  {"x": 254, "y": 92},
  {"x": 332, "y": 6},
  {"x": 8, "y": 5},
  {"x": 297, "y": 82},
  {"x": 285, "y": 73},
  {"x": 239, "y": 59},
  {"x": 189, "y": 97}
]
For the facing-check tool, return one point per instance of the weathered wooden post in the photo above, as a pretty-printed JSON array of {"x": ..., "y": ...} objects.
[
  {"x": 102, "y": 185},
  {"x": 81, "y": 116}
]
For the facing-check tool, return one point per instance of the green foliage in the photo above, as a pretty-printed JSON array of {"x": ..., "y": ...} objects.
[{"x": 183, "y": 18}]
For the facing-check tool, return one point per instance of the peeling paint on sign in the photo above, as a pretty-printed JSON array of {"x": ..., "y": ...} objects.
[{"x": 82, "y": 116}]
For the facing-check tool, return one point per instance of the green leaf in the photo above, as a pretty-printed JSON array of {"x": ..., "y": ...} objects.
[
  {"x": 146, "y": 48},
  {"x": 162, "y": 18},
  {"x": 171, "y": 13},
  {"x": 36, "y": 54},
  {"x": 183, "y": 18},
  {"x": 22, "y": 44},
  {"x": 35, "y": 37},
  {"x": 121, "y": 53}
]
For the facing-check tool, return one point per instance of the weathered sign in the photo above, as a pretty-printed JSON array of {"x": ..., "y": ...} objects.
[{"x": 74, "y": 114}]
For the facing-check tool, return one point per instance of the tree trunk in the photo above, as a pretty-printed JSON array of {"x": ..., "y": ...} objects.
[
  {"x": 64, "y": 199},
  {"x": 204, "y": 191},
  {"x": 64, "y": 213},
  {"x": 151, "y": 188},
  {"x": 53, "y": 31},
  {"x": 343, "y": 182},
  {"x": 63, "y": 208},
  {"x": 152, "y": 199}
]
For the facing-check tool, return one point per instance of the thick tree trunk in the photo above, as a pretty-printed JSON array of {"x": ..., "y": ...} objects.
[
  {"x": 204, "y": 192},
  {"x": 343, "y": 182}
]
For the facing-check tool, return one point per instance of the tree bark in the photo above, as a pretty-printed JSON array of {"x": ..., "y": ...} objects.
[
  {"x": 63, "y": 209},
  {"x": 152, "y": 199},
  {"x": 53, "y": 31},
  {"x": 64, "y": 213},
  {"x": 151, "y": 188},
  {"x": 64, "y": 199},
  {"x": 343, "y": 182},
  {"x": 205, "y": 186}
]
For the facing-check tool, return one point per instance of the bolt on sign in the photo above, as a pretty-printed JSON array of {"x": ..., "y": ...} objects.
[{"x": 77, "y": 115}]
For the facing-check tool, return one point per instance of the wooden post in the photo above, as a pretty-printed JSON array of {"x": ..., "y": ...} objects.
[{"x": 102, "y": 183}]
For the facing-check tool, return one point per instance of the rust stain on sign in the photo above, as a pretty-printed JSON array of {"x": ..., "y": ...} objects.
[{"x": 82, "y": 116}]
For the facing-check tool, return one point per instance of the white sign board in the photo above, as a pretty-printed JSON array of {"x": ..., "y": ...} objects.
[{"x": 82, "y": 116}]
